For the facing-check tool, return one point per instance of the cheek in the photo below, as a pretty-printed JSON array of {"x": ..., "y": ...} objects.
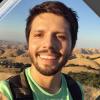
[
  {"x": 32, "y": 47},
  {"x": 66, "y": 48},
  {"x": 32, "y": 43}
]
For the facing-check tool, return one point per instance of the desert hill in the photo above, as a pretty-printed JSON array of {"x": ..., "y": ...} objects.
[
  {"x": 97, "y": 60},
  {"x": 82, "y": 60},
  {"x": 87, "y": 50},
  {"x": 82, "y": 65}
]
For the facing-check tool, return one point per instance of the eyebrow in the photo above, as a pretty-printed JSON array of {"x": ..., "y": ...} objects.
[
  {"x": 60, "y": 32},
  {"x": 56, "y": 32},
  {"x": 38, "y": 31}
]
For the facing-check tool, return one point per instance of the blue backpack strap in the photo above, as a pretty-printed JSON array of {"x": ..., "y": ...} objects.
[
  {"x": 20, "y": 87},
  {"x": 73, "y": 87}
]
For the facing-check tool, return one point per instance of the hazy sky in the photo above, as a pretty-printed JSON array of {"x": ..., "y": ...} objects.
[{"x": 12, "y": 27}]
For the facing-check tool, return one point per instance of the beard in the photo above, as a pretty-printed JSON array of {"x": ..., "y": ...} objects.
[{"x": 48, "y": 71}]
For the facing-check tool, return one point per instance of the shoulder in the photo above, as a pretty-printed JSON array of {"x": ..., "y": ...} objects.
[
  {"x": 81, "y": 88},
  {"x": 5, "y": 89},
  {"x": 4, "y": 85},
  {"x": 74, "y": 87}
]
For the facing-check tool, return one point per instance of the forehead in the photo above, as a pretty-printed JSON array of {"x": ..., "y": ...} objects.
[{"x": 50, "y": 21}]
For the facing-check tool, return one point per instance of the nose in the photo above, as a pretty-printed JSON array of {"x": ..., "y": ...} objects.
[{"x": 50, "y": 42}]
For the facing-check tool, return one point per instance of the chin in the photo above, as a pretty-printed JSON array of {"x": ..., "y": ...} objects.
[{"x": 48, "y": 70}]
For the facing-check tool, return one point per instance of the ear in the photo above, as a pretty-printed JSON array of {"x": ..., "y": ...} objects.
[{"x": 70, "y": 54}]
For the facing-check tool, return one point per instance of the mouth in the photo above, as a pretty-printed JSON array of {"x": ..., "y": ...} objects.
[{"x": 48, "y": 57}]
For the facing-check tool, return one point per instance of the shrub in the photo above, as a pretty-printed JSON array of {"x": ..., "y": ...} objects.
[{"x": 91, "y": 79}]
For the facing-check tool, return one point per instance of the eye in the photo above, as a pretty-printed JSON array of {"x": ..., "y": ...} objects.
[
  {"x": 38, "y": 35},
  {"x": 62, "y": 37}
]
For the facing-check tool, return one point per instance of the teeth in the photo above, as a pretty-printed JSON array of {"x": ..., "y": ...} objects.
[{"x": 47, "y": 57}]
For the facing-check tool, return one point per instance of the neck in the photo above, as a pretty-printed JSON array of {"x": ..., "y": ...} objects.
[{"x": 50, "y": 83}]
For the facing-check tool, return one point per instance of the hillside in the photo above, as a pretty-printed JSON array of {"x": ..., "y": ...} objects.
[{"x": 84, "y": 65}]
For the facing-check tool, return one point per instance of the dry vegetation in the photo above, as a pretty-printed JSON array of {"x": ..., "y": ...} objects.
[{"x": 82, "y": 61}]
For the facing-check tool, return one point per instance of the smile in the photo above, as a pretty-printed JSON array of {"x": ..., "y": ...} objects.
[{"x": 48, "y": 57}]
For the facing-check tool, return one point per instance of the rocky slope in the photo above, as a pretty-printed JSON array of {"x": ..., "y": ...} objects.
[{"x": 81, "y": 60}]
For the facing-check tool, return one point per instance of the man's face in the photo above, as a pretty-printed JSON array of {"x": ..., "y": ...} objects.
[{"x": 49, "y": 43}]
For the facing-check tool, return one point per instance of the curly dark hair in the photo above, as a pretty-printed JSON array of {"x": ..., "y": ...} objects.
[{"x": 57, "y": 8}]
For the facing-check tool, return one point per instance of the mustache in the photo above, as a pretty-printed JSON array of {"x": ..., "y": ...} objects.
[{"x": 49, "y": 51}]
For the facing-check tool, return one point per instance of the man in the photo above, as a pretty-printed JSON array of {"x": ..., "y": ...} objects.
[{"x": 51, "y": 33}]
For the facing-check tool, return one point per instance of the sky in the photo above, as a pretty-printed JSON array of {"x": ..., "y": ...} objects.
[{"x": 12, "y": 26}]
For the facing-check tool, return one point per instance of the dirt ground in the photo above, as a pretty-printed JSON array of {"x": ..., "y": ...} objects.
[{"x": 4, "y": 75}]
